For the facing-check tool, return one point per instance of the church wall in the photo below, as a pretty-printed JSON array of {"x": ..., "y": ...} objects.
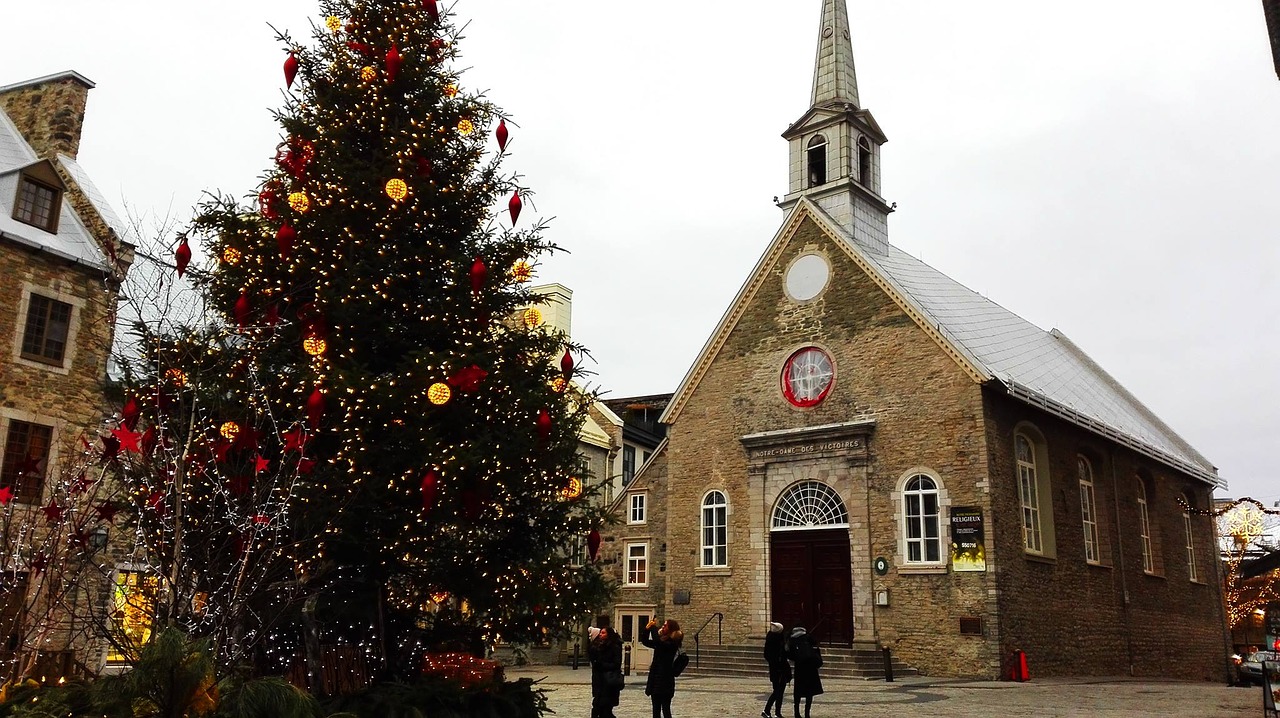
[
  {"x": 927, "y": 412},
  {"x": 1071, "y": 617}
]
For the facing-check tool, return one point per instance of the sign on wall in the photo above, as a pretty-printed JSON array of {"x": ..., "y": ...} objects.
[
  {"x": 1273, "y": 625},
  {"x": 968, "y": 548}
]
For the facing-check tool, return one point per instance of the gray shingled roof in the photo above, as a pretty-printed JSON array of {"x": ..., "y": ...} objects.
[{"x": 1040, "y": 367}]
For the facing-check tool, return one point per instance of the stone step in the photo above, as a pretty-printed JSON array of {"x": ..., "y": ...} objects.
[{"x": 862, "y": 661}]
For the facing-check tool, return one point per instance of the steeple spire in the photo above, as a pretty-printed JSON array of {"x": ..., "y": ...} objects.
[{"x": 834, "y": 80}]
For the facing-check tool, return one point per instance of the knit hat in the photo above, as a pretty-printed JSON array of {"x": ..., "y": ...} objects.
[
  {"x": 775, "y": 627},
  {"x": 797, "y": 631},
  {"x": 592, "y": 632}
]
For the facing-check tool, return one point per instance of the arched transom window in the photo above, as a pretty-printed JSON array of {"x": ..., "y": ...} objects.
[{"x": 809, "y": 504}]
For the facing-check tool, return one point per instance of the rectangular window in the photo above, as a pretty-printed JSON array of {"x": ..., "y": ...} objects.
[
  {"x": 715, "y": 530},
  {"x": 45, "y": 336},
  {"x": 578, "y": 551},
  {"x": 637, "y": 564},
  {"x": 133, "y": 604},
  {"x": 628, "y": 464},
  {"x": 1191, "y": 548},
  {"x": 1089, "y": 511},
  {"x": 26, "y": 459},
  {"x": 637, "y": 514},
  {"x": 37, "y": 205},
  {"x": 1144, "y": 526},
  {"x": 1030, "y": 508},
  {"x": 924, "y": 544}
]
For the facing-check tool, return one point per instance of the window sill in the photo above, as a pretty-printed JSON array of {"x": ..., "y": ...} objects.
[
  {"x": 56, "y": 367},
  {"x": 922, "y": 570},
  {"x": 1198, "y": 582},
  {"x": 1037, "y": 558},
  {"x": 712, "y": 571},
  {"x": 634, "y": 585},
  {"x": 1095, "y": 564},
  {"x": 1153, "y": 574}
]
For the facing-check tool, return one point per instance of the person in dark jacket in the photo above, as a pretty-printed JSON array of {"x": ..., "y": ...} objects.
[
  {"x": 605, "y": 653},
  {"x": 661, "y": 686},
  {"x": 803, "y": 651},
  {"x": 775, "y": 654}
]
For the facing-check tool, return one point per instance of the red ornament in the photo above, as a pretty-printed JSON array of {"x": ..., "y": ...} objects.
[
  {"x": 273, "y": 315},
  {"x": 432, "y": 10},
  {"x": 393, "y": 63},
  {"x": 267, "y": 204},
  {"x": 242, "y": 308},
  {"x": 129, "y": 413},
  {"x": 106, "y": 511},
  {"x": 128, "y": 439},
  {"x": 471, "y": 504},
  {"x": 424, "y": 166},
  {"x": 295, "y": 439},
  {"x": 149, "y": 440},
  {"x": 53, "y": 512},
  {"x": 290, "y": 69},
  {"x": 182, "y": 256},
  {"x": 593, "y": 544},
  {"x": 285, "y": 237},
  {"x": 566, "y": 364},
  {"x": 430, "y": 485},
  {"x": 468, "y": 379},
  {"x": 479, "y": 273},
  {"x": 544, "y": 423},
  {"x": 361, "y": 48},
  {"x": 514, "y": 207},
  {"x": 501, "y": 134},
  {"x": 6, "y": 495},
  {"x": 156, "y": 503},
  {"x": 315, "y": 408}
]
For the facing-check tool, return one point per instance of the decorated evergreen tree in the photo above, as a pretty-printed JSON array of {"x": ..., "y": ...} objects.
[{"x": 375, "y": 445}]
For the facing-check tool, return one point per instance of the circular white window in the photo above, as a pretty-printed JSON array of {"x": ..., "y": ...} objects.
[
  {"x": 807, "y": 277},
  {"x": 807, "y": 377}
]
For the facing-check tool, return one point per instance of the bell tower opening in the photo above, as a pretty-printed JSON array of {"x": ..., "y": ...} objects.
[
  {"x": 817, "y": 161},
  {"x": 864, "y": 162}
]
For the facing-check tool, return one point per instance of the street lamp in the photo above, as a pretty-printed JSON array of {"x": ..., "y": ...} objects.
[{"x": 98, "y": 539}]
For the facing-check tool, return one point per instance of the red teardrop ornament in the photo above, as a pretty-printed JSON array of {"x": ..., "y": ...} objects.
[
  {"x": 566, "y": 364},
  {"x": 393, "y": 63},
  {"x": 424, "y": 166},
  {"x": 315, "y": 408},
  {"x": 514, "y": 207},
  {"x": 273, "y": 315},
  {"x": 544, "y": 424},
  {"x": 285, "y": 237},
  {"x": 501, "y": 134},
  {"x": 593, "y": 544},
  {"x": 290, "y": 69},
  {"x": 242, "y": 309},
  {"x": 479, "y": 273},
  {"x": 430, "y": 485},
  {"x": 182, "y": 256}
]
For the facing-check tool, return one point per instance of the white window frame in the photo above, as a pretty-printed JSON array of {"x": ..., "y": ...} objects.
[
  {"x": 921, "y": 519},
  {"x": 1192, "y": 570},
  {"x": 637, "y": 509},
  {"x": 1029, "y": 495},
  {"x": 637, "y": 568},
  {"x": 714, "y": 517},
  {"x": 1088, "y": 511},
  {"x": 1144, "y": 528}
]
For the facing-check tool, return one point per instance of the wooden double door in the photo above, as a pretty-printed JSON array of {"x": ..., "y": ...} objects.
[{"x": 812, "y": 584}]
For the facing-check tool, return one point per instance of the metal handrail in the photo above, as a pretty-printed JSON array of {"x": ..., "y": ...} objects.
[{"x": 697, "y": 643}]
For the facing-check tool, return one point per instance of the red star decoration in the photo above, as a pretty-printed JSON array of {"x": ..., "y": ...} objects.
[
  {"x": 306, "y": 466},
  {"x": 247, "y": 438},
  {"x": 107, "y": 511},
  {"x": 39, "y": 563},
  {"x": 81, "y": 484},
  {"x": 468, "y": 379},
  {"x": 6, "y": 495},
  {"x": 53, "y": 512},
  {"x": 260, "y": 464},
  {"x": 128, "y": 439},
  {"x": 220, "y": 450},
  {"x": 79, "y": 539},
  {"x": 261, "y": 519},
  {"x": 295, "y": 439},
  {"x": 30, "y": 466},
  {"x": 156, "y": 502},
  {"x": 149, "y": 440}
]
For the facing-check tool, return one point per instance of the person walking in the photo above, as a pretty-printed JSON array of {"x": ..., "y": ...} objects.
[
  {"x": 803, "y": 651},
  {"x": 604, "y": 650},
  {"x": 661, "y": 685},
  {"x": 775, "y": 654}
]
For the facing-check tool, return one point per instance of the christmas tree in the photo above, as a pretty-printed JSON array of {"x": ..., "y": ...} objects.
[{"x": 374, "y": 442}]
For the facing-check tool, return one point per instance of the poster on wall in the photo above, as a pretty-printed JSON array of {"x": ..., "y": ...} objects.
[{"x": 968, "y": 551}]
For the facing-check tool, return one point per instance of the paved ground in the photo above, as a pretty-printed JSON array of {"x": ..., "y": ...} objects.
[{"x": 706, "y": 697}]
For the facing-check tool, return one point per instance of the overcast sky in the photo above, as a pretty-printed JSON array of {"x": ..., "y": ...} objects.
[{"x": 1106, "y": 167}]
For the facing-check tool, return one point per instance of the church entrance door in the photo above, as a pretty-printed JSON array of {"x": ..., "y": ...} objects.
[{"x": 812, "y": 583}]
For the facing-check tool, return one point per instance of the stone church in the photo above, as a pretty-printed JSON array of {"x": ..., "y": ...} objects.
[{"x": 871, "y": 450}]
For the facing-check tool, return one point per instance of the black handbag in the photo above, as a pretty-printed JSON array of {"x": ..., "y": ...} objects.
[{"x": 614, "y": 680}]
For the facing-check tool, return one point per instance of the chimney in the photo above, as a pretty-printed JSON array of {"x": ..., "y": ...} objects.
[{"x": 48, "y": 111}]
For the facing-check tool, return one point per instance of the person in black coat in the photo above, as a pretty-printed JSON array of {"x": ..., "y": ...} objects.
[
  {"x": 775, "y": 654},
  {"x": 803, "y": 651},
  {"x": 604, "y": 650},
  {"x": 661, "y": 685}
]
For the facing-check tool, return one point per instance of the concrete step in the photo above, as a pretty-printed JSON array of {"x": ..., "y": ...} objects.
[{"x": 859, "y": 662}]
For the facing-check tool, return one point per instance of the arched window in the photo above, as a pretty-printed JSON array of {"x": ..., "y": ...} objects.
[
  {"x": 1144, "y": 528},
  {"x": 817, "y": 156},
  {"x": 1088, "y": 511},
  {"x": 864, "y": 162},
  {"x": 1029, "y": 492},
  {"x": 715, "y": 529},
  {"x": 1192, "y": 571},
  {"x": 920, "y": 516},
  {"x": 809, "y": 504}
]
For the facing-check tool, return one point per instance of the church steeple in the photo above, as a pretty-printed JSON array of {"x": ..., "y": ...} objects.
[
  {"x": 834, "y": 79},
  {"x": 835, "y": 145}
]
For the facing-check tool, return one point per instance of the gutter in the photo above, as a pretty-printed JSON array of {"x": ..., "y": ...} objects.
[{"x": 38, "y": 247}]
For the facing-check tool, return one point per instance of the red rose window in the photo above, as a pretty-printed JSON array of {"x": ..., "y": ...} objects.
[{"x": 807, "y": 377}]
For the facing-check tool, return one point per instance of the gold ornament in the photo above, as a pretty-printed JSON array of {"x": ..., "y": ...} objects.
[
  {"x": 573, "y": 490},
  {"x": 368, "y": 74},
  {"x": 439, "y": 393},
  {"x": 521, "y": 271},
  {"x": 231, "y": 255},
  {"x": 439, "y": 597},
  {"x": 315, "y": 346},
  {"x": 397, "y": 189},
  {"x": 333, "y": 23},
  {"x": 451, "y": 91},
  {"x": 229, "y": 430},
  {"x": 466, "y": 127},
  {"x": 558, "y": 385},
  {"x": 176, "y": 376},
  {"x": 532, "y": 317},
  {"x": 299, "y": 202}
]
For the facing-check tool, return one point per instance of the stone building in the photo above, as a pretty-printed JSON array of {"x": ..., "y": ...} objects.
[
  {"x": 61, "y": 262},
  {"x": 869, "y": 449}
]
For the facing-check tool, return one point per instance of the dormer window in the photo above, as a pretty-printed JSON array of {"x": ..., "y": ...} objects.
[
  {"x": 37, "y": 204},
  {"x": 864, "y": 162},
  {"x": 817, "y": 155}
]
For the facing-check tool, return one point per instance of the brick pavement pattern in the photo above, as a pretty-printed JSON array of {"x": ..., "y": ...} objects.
[{"x": 569, "y": 695}]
